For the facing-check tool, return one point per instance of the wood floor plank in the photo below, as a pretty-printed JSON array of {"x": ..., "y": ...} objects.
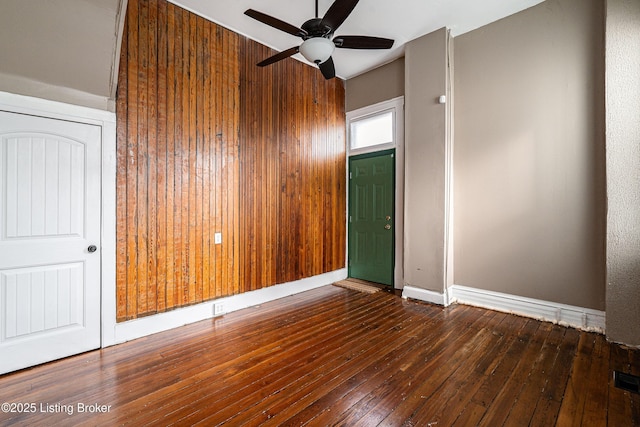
[
  {"x": 573, "y": 401},
  {"x": 417, "y": 371},
  {"x": 252, "y": 381},
  {"x": 355, "y": 359},
  {"x": 333, "y": 356},
  {"x": 470, "y": 416},
  {"x": 502, "y": 404},
  {"x": 449, "y": 401},
  {"x": 596, "y": 396},
  {"x": 442, "y": 387},
  {"x": 375, "y": 374},
  {"x": 534, "y": 384},
  {"x": 251, "y": 350},
  {"x": 134, "y": 364},
  {"x": 496, "y": 379},
  {"x": 436, "y": 389}
]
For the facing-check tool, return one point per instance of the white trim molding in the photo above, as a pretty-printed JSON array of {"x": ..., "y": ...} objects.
[
  {"x": 566, "y": 315},
  {"x": 54, "y": 109},
  {"x": 425, "y": 295},
  {"x": 396, "y": 105},
  {"x": 126, "y": 331},
  {"x": 582, "y": 318}
]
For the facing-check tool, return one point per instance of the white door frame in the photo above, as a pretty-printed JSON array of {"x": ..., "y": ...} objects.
[
  {"x": 107, "y": 121},
  {"x": 396, "y": 105}
]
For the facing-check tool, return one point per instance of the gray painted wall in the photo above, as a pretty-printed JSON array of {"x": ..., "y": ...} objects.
[
  {"x": 623, "y": 170},
  {"x": 421, "y": 77},
  {"x": 529, "y": 163},
  {"x": 62, "y": 50},
  {"x": 381, "y": 84},
  {"x": 530, "y": 196},
  {"x": 425, "y": 161}
]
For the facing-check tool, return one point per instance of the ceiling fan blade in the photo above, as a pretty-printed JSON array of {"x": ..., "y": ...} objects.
[
  {"x": 337, "y": 13},
  {"x": 362, "y": 42},
  {"x": 328, "y": 69},
  {"x": 275, "y": 23},
  {"x": 279, "y": 56}
]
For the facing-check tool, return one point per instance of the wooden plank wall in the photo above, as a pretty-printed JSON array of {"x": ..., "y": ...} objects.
[{"x": 208, "y": 142}]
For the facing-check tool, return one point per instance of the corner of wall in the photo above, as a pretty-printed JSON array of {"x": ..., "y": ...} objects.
[
  {"x": 116, "y": 333},
  {"x": 449, "y": 175},
  {"x": 427, "y": 165},
  {"x": 622, "y": 65},
  {"x": 121, "y": 14}
]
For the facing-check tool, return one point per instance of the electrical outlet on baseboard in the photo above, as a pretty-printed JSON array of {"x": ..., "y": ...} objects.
[{"x": 218, "y": 309}]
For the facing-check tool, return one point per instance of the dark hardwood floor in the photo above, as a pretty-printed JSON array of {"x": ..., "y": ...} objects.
[{"x": 334, "y": 356}]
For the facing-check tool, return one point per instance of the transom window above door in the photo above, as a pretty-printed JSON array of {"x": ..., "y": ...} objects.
[
  {"x": 372, "y": 130},
  {"x": 376, "y": 127}
]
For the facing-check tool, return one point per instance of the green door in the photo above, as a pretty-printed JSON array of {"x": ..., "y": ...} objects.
[{"x": 371, "y": 217}]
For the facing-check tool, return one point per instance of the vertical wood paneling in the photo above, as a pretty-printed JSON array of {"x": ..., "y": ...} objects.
[
  {"x": 131, "y": 285},
  {"x": 205, "y": 162},
  {"x": 184, "y": 165},
  {"x": 224, "y": 181},
  {"x": 208, "y": 142},
  {"x": 161, "y": 164},
  {"x": 143, "y": 166},
  {"x": 152, "y": 156},
  {"x": 121, "y": 179},
  {"x": 177, "y": 165},
  {"x": 170, "y": 288},
  {"x": 190, "y": 157}
]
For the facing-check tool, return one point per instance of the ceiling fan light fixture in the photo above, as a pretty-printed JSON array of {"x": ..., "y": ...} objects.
[
  {"x": 317, "y": 49},
  {"x": 316, "y": 33}
]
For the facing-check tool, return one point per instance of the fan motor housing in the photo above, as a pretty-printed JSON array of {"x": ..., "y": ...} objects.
[{"x": 314, "y": 28}]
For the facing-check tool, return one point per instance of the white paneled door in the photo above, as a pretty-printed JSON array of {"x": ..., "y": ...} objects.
[{"x": 49, "y": 239}]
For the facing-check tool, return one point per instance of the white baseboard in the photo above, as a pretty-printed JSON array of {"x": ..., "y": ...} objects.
[
  {"x": 138, "y": 328},
  {"x": 423, "y": 295},
  {"x": 567, "y": 315}
]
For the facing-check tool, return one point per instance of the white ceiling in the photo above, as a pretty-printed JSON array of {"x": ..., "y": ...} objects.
[
  {"x": 68, "y": 49},
  {"x": 402, "y": 21}
]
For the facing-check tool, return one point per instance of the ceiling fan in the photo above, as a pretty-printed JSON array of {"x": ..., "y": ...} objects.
[{"x": 316, "y": 33}]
